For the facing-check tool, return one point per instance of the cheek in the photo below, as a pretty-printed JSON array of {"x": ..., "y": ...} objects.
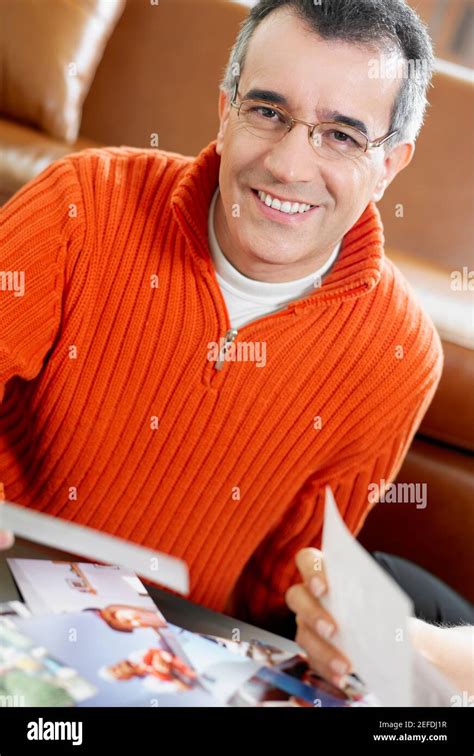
[
  {"x": 235, "y": 177},
  {"x": 243, "y": 160},
  {"x": 349, "y": 184}
]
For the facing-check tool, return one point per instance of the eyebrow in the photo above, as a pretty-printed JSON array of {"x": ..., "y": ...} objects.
[{"x": 268, "y": 95}]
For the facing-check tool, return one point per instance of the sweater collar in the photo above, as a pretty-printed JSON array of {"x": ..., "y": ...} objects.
[{"x": 357, "y": 270}]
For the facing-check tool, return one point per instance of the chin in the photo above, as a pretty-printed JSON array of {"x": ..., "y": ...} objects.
[
  {"x": 277, "y": 251},
  {"x": 275, "y": 257}
]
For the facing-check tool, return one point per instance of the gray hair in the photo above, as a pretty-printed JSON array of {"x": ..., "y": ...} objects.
[{"x": 385, "y": 25}]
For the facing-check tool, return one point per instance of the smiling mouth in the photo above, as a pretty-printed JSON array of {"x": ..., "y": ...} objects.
[{"x": 288, "y": 207}]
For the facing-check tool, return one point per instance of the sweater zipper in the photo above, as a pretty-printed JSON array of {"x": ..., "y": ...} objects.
[
  {"x": 229, "y": 338},
  {"x": 232, "y": 333}
]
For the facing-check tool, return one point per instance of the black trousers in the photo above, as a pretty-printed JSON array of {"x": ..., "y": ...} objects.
[{"x": 433, "y": 600}]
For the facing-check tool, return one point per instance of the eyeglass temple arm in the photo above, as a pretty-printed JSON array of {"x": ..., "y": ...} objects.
[
  {"x": 382, "y": 140},
  {"x": 236, "y": 86}
]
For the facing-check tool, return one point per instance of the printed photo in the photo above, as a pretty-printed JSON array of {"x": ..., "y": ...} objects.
[
  {"x": 59, "y": 586},
  {"x": 31, "y": 676},
  {"x": 287, "y": 680},
  {"x": 143, "y": 665}
]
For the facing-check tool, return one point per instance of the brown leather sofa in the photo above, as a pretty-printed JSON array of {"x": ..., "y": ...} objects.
[{"x": 159, "y": 75}]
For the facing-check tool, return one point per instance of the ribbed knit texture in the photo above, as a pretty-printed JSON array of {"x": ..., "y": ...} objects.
[{"x": 95, "y": 356}]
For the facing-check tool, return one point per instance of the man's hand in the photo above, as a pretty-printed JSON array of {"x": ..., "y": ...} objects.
[
  {"x": 7, "y": 539},
  {"x": 450, "y": 649},
  {"x": 315, "y": 626}
]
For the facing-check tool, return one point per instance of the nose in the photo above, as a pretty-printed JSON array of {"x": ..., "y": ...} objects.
[{"x": 292, "y": 159}]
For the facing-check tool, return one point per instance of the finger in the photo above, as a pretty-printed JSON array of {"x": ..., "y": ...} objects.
[
  {"x": 6, "y": 539},
  {"x": 326, "y": 660},
  {"x": 311, "y": 566},
  {"x": 310, "y": 610}
]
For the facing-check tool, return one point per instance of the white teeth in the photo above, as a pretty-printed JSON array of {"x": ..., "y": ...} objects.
[{"x": 284, "y": 207}]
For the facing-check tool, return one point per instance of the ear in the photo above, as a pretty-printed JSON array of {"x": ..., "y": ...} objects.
[
  {"x": 394, "y": 161},
  {"x": 224, "y": 112}
]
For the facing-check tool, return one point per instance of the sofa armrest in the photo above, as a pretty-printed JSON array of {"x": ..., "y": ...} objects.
[
  {"x": 450, "y": 418},
  {"x": 25, "y": 151}
]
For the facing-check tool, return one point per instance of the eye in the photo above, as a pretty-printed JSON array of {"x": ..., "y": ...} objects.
[
  {"x": 265, "y": 112},
  {"x": 343, "y": 138}
]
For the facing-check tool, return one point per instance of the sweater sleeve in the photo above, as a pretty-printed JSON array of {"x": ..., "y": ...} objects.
[
  {"x": 41, "y": 230},
  {"x": 259, "y": 596}
]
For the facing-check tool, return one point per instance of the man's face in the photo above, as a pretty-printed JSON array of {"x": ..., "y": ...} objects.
[{"x": 316, "y": 77}]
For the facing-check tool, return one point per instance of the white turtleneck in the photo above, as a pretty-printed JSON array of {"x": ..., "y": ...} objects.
[{"x": 247, "y": 299}]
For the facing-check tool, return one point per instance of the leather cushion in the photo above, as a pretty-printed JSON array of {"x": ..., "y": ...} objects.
[
  {"x": 49, "y": 53},
  {"x": 25, "y": 152},
  {"x": 439, "y": 536}
]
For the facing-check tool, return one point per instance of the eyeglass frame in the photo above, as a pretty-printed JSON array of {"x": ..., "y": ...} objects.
[{"x": 370, "y": 145}]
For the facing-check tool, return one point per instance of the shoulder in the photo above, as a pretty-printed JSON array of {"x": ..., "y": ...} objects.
[
  {"x": 122, "y": 162},
  {"x": 404, "y": 325},
  {"x": 118, "y": 182},
  {"x": 395, "y": 362},
  {"x": 94, "y": 175},
  {"x": 395, "y": 355}
]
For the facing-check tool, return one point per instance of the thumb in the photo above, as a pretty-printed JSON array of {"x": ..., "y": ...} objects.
[
  {"x": 310, "y": 563},
  {"x": 6, "y": 539}
]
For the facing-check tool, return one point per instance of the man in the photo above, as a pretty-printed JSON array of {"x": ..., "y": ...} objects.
[{"x": 204, "y": 344}]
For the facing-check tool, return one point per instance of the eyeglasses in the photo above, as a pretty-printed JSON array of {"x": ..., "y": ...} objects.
[{"x": 331, "y": 139}]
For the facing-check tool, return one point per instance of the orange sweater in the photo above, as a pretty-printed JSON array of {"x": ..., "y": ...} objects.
[{"x": 114, "y": 416}]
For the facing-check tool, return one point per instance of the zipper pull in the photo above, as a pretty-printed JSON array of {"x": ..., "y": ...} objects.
[{"x": 228, "y": 339}]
